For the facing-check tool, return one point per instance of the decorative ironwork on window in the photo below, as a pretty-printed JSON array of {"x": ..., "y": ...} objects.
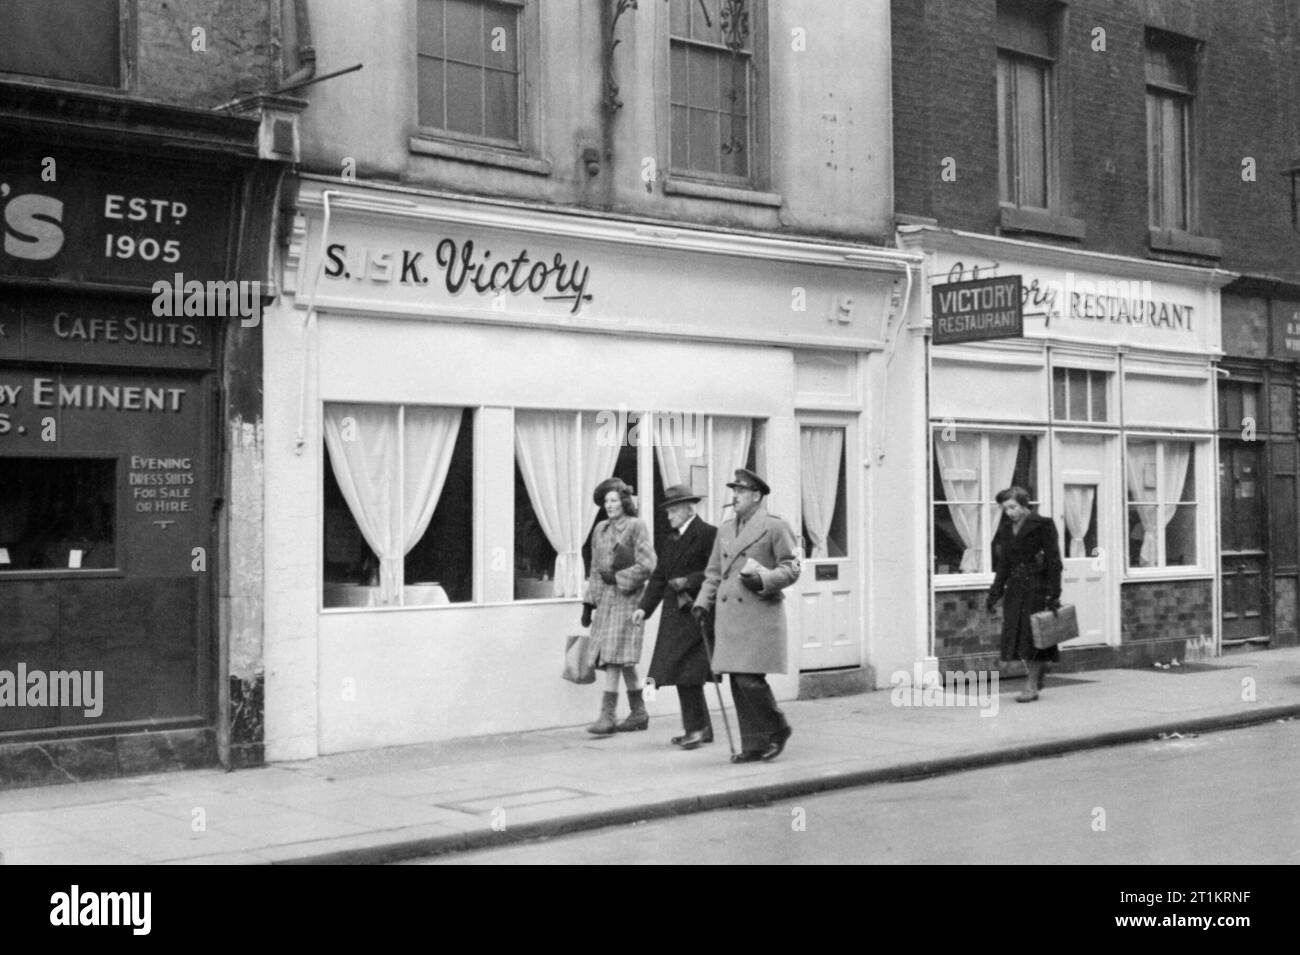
[
  {"x": 612, "y": 102},
  {"x": 735, "y": 24}
]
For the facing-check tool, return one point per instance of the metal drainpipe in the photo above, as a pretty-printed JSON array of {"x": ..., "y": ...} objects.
[
  {"x": 306, "y": 52},
  {"x": 300, "y": 439}
]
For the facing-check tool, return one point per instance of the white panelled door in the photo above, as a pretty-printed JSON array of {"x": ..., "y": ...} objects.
[
  {"x": 1085, "y": 505},
  {"x": 829, "y": 613}
]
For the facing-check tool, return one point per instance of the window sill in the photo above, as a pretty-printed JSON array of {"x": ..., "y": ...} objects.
[
  {"x": 1040, "y": 222},
  {"x": 1184, "y": 243},
  {"x": 482, "y": 155},
  {"x": 981, "y": 581},
  {"x": 710, "y": 190}
]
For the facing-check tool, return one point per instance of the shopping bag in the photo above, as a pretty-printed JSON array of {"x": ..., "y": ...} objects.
[
  {"x": 1050, "y": 628},
  {"x": 577, "y": 659}
]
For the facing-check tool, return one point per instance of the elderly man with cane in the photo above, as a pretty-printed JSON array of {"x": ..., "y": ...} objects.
[
  {"x": 681, "y": 658},
  {"x": 755, "y": 557}
]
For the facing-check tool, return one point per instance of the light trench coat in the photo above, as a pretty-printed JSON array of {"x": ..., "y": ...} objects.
[{"x": 615, "y": 638}]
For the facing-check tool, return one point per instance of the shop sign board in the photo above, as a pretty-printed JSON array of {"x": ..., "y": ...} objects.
[{"x": 977, "y": 310}]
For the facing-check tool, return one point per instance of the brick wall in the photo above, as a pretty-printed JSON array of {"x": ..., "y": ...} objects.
[
  {"x": 962, "y": 626},
  {"x": 1167, "y": 609},
  {"x": 944, "y": 105}
]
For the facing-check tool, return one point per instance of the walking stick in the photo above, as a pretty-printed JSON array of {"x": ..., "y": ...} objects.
[{"x": 708, "y": 650}]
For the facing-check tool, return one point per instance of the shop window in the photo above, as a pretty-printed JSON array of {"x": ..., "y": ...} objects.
[
  {"x": 398, "y": 505},
  {"x": 702, "y": 452},
  {"x": 1162, "y": 503},
  {"x": 713, "y": 94},
  {"x": 1026, "y": 57},
  {"x": 1239, "y": 407},
  {"x": 970, "y": 468},
  {"x": 1281, "y": 417},
  {"x": 1171, "y": 88},
  {"x": 1283, "y": 525},
  {"x": 469, "y": 65},
  {"x": 78, "y": 41},
  {"x": 823, "y": 494},
  {"x": 57, "y": 514},
  {"x": 560, "y": 457},
  {"x": 1079, "y": 394}
]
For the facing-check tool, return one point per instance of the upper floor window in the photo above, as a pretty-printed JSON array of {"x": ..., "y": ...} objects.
[
  {"x": 78, "y": 41},
  {"x": 1171, "y": 90},
  {"x": 1026, "y": 146},
  {"x": 1079, "y": 394},
  {"x": 711, "y": 87},
  {"x": 469, "y": 68}
]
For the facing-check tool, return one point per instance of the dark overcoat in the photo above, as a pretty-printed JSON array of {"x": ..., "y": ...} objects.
[
  {"x": 749, "y": 628},
  {"x": 1028, "y": 572},
  {"x": 679, "y": 657}
]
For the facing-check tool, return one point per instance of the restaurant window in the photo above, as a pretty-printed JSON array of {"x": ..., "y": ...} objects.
[
  {"x": 1080, "y": 394},
  {"x": 398, "y": 505},
  {"x": 701, "y": 452},
  {"x": 79, "y": 41},
  {"x": 1026, "y": 141},
  {"x": 469, "y": 65},
  {"x": 1162, "y": 503},
  {"x": 713, "y": 84},
  {"x": 57, "y": 514},
  {"x": 970, "y": 468},
  {"x": 1171, "y": 90}
]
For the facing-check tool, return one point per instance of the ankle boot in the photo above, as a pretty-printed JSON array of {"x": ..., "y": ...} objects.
[
  {"x": 638, "y": 719},
  {"x": 1033, "y": 680},
  {"x": 604, "y": 725}
]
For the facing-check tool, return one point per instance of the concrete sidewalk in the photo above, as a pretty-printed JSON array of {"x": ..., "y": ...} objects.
[{"x": 402, "y": 802}]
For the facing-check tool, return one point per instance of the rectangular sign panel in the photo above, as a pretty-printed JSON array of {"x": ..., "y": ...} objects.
[
  {"x": 78, "y": 217},
  {"x": 977, "y": 310}
]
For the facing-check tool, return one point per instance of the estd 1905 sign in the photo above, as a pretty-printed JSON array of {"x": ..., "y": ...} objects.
[{"x": 93, "y": 219}]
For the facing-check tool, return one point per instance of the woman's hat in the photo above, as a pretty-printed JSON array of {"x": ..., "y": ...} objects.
[
  {"x": 679, "y": 494},
  {"x": 750, "y": 481},
  {"x": 607, "y": 485}
]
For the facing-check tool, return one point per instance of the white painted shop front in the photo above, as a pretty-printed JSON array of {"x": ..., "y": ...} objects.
[
  {"x": 1104, "y": 410},
  {"x": 446, "y": 381}
]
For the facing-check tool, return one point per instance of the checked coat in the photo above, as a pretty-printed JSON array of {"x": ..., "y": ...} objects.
[
  {"x": 679, "y": 657},
  {"x": 616, "y": 639}
]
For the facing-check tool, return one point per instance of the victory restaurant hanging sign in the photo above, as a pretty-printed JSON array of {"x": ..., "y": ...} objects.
[{"x": 977, "y": 310}]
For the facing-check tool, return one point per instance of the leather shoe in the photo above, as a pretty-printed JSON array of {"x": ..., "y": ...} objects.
[
  {"x": 748, "y": 756},
  {"x": 777, "y": 743},
  {"x": 692, "y": 740}
]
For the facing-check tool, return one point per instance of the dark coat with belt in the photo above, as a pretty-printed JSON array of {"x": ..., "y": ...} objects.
[
  {"x": 679, "y": 657},
  {"x": 749, "y": 627},
  {"x": 1028, "y": 573}
]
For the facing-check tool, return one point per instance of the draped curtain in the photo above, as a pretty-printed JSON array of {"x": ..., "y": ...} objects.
[
  {"x": 1078, "y": 516},
  {"x": 959, "y": 472},
  {"x": 391, "y": 491},
  {"x": 820, "y": 452},
  {"x": 1178, "y": 454},
  {"x": 1141, "y": 457},
  {"x": 729, "y": 438},
  {"x": 562, "y": 460}
]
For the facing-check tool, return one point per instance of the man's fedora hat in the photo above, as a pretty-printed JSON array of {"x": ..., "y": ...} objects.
[
  {"x": 679, "y": 494},
  {"x": 750, "y": 481},
  {"x": 607, "y": 485}
]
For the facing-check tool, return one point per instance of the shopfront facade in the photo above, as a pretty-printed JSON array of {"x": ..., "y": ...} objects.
[
  {"x": 1258, "y": 464},
  {"x": 1105, "y": 411},
  {"x": 111, "y": 401},
  {"x": 447, "y": 380}
]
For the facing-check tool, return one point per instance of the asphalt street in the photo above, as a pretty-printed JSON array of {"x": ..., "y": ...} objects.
[{"x": 1227, "y": 797}]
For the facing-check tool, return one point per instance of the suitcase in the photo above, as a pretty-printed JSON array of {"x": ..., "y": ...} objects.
[{"x": 1052, "y": 628}]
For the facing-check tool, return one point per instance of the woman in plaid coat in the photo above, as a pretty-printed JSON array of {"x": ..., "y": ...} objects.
[{"x": 622, "y": 559}]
